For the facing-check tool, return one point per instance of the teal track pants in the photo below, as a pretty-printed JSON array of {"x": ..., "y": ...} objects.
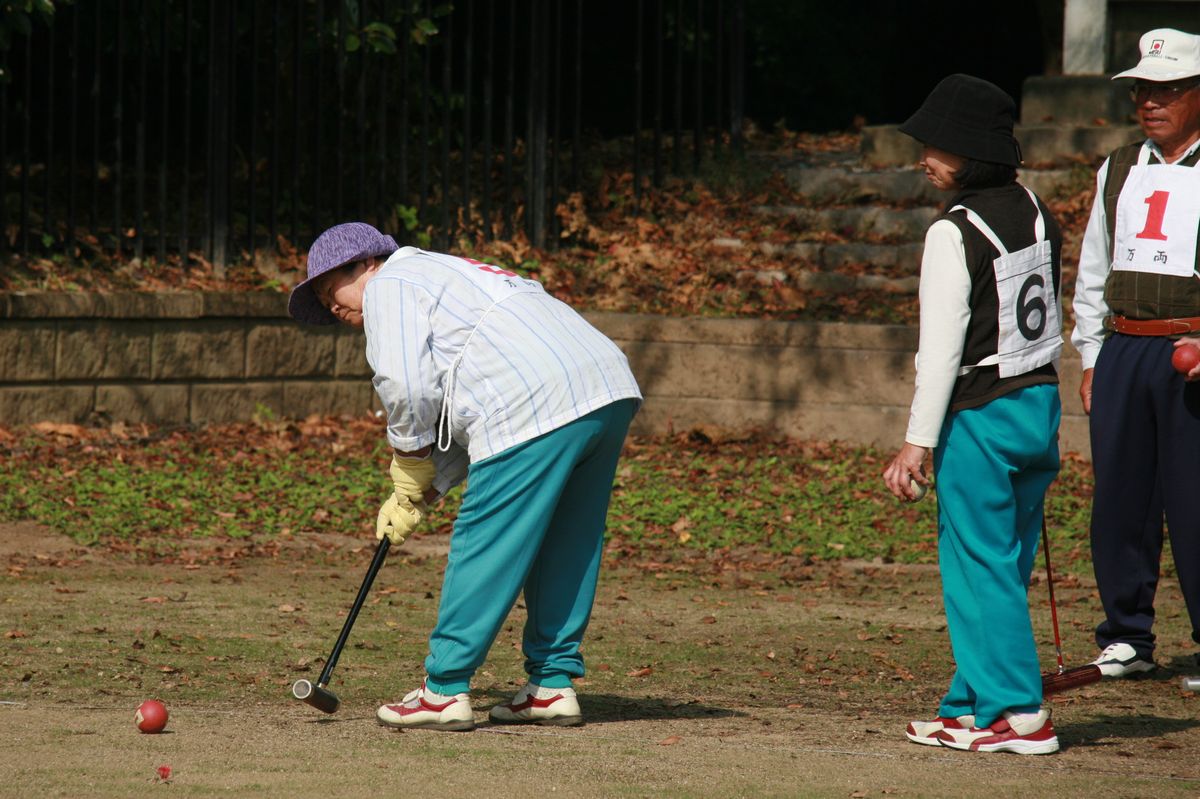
[
  {"x": 532, "y": 519},
  {"x": 993, "y": 465}
]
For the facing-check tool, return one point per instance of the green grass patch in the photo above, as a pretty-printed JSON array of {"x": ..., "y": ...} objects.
[{"x": 676, "y": 498}]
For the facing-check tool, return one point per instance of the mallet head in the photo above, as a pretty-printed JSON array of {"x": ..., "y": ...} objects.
[
  {"x": 1071, "y": 678},
  {"x": 318, "y": 696}
]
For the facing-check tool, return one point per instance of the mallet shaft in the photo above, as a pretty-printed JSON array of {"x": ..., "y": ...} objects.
[
  {"x": 318, "y": 695},
  {"x": 376, "y": 562},
  {"x": 1053, "y": 604},
  {"x": 1064, "y": 679}
]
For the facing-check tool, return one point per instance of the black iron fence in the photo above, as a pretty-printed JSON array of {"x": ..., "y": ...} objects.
[{"x": 225, "y": 129}]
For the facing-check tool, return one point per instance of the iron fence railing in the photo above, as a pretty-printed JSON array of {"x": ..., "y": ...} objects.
[{"x": 221, "y": 128}]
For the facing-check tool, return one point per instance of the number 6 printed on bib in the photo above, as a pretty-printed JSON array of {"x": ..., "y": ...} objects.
[
  {"x": 1029, "y": 329},
  {"x": 1029, "y": 334}
]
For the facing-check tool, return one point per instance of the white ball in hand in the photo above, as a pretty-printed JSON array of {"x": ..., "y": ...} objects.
[{"x": 919, "y": 490}]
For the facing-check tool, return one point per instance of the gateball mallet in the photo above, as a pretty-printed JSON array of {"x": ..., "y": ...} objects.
[
  {"x": 319, "y": 696},
  {"x": 1064, "y": 679}
]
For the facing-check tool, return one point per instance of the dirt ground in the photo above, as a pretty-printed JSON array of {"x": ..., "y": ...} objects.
[{"x": 700, "y": 685}]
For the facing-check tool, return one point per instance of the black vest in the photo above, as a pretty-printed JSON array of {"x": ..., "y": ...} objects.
[{"x": 1011, "y": 216}]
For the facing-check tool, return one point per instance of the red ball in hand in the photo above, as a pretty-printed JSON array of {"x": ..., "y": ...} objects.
[
  {"x": 1185, "y": 358},
  {"x": 151, "y": 716}
]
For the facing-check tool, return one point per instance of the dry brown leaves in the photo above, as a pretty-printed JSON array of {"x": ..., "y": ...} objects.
[{"x": 690, "y": 247}]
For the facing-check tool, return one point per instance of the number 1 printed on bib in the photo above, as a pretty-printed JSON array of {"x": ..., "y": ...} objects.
[{"x": 1155, "y": 227}]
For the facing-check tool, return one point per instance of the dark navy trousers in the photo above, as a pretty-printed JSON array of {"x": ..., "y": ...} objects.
[{"x": 1145, "y": 431}]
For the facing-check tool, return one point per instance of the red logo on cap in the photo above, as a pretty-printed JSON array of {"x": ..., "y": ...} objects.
[{"x": 1155, "y": 47}]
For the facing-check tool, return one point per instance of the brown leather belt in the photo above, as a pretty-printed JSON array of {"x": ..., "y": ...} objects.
[{"x": 1154, "y": 327}]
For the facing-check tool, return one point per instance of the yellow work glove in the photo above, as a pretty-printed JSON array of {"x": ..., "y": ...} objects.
[{"x": 401, "y": 513}]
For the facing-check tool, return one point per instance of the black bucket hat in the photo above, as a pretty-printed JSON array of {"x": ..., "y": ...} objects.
[{"x": 970, "y": 117}]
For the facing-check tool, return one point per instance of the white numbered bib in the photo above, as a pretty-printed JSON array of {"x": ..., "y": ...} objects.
[
  {"x": 1156, "y": 220},
  {"x": 1029, "y": 333}
]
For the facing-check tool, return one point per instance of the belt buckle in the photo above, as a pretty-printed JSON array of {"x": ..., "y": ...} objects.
[{"x": 1181, "y": 326}]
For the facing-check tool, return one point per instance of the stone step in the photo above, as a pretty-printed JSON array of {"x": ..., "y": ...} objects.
[
  {"x": 1077, "y": 99},
  {"x": 889, "y": 267},
  {"x": 832, "y": 282},
  {"x": 857, "y": 186},
  {"x": 838, "y": 283},
  {"x": 904, "y": 224},
  {"x": 903, "y": 258},
  {"x": 885, "y": 145}
]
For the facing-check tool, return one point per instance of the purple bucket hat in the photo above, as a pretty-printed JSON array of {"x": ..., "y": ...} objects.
[{"x": 337, "y": 246}]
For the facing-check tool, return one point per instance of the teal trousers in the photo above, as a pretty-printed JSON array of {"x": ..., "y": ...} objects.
[
  {"x": 993, "y": 465},
  {"x": 532, "y": 520}
]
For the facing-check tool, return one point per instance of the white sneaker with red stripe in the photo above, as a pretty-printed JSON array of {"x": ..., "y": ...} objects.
[
  {"x": 534, "y": 704},
  {"x": 424, "y": 709},
  {"x": 925, "y": 732},
  {"x": 1022, "y": 733}
]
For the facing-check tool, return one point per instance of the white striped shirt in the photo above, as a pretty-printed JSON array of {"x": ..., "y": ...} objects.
[{"x": 516, "y": 362}]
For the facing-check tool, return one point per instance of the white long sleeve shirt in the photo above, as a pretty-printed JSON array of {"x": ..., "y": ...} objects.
[
  {"x": 945, "y": 295},
  {"x": 1095, "y": 262},
  {"x": 509, "y": 361}
]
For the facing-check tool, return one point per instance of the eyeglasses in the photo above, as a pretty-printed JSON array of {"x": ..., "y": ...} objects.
[{"x": 1159, "y": 93}]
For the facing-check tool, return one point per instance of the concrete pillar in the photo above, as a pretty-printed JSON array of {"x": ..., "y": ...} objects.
[{"x": 1085, "y": 37}]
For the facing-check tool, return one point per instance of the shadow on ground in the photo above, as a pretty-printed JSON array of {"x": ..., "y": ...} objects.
[{"x": 1114, "y": 730}]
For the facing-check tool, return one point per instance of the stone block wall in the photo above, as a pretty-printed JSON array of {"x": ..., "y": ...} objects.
[
  {"x": 197, "y": 358},
  {"x": 172, "y": 359}
]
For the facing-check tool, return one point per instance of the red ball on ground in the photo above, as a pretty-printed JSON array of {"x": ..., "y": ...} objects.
[
  {"x": 151, "y": 716},
  {"x": 1185, "y": 358}
]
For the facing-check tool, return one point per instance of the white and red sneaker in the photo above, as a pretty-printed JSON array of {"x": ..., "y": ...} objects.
[
  {"x": 1022, "y": 733},
  {"x": 534, "y": 704},
  {"x": 424, "y": 709},
  {"x": 925, "y": 732}
]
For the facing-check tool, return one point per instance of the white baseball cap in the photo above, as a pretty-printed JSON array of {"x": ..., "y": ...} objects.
[{"x": 1167, "y": 54}]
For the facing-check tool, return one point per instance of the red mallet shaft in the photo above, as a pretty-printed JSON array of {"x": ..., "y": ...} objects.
[{"x": 1064, "y": 679}]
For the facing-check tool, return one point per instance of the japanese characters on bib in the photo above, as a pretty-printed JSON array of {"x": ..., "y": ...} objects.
[
  {"x": 1156, "y": 219},
  {"x": 1029, "y": 331}
]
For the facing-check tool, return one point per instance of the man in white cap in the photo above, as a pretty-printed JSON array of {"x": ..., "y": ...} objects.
[{"x": 1137, "y": 299}]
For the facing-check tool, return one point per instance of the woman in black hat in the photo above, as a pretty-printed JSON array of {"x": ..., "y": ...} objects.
[{"x": 986, "y": 403}]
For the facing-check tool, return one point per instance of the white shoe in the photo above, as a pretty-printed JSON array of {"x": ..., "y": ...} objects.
[
  {"x": 1022, "y": 733},
  {"x": 1121, "y": 660},
  {"x": 925, "y": 732},
  {"x": 534, "y": 704},
  {"x": 424, "y": 709}
]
